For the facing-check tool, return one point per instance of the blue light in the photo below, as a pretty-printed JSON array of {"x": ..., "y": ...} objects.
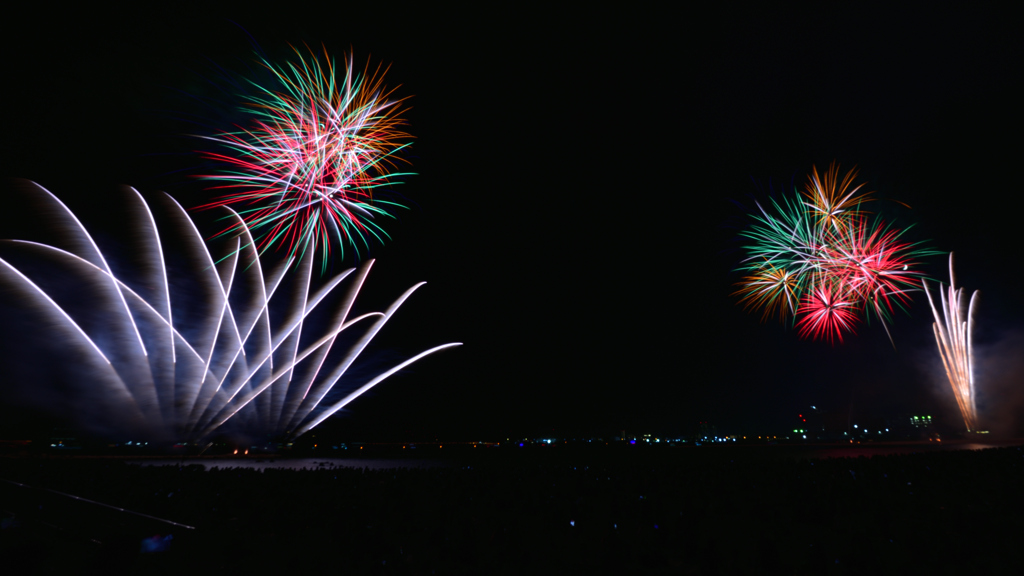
[{"x": 633, "y": 441}]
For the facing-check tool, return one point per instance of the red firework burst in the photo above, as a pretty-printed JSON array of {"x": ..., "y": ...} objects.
[
  {"x": 874, "y": 266},
  {"x": 826, "y": 312}
]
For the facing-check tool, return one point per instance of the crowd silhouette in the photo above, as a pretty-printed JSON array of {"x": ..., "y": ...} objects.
[{"x": 679, "y": 512}]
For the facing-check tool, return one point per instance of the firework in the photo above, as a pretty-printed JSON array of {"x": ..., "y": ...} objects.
[
  {"x": 247, "y": 361},
  {"x": 309, "y": 170},
  {"x": 832, "y": 200},
  {"x": 953, "y": 335},
  {"x": 820, "y": 259},
  {"x": 827, "y": 311}
]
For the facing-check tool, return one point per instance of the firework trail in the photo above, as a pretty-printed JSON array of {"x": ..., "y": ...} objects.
[
  {"x": 820, "y": 259},
  {"x": 308, "y": 170},
  {"x": 246, "y": 363},
  {"x": 953, "y": 335}
]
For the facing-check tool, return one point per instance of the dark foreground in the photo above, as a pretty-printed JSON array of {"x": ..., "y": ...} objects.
[{"x": 717, "y": 511}]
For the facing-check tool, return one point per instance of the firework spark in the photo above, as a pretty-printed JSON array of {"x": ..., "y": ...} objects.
[
  {"x": 819, "y": 258},
  {"x": 832, "y": 200},
  {"x": 827, "y": 312},
  {"x": 246, "y": 362},
  {"x": 953, "y": 335},
  {"x": 308, "y": 170}
]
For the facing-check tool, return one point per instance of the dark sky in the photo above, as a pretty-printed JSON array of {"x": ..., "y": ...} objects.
[{"x": 582, "y": 177}]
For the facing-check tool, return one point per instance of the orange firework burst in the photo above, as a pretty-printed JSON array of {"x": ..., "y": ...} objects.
[{"x": 833, "y": 200}]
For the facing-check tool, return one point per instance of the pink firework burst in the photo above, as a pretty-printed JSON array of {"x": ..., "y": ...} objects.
[
  {"x": 307, "y": 170},
  {"x": 826, "y": 312},
  {"x": 871, "y": 262}
]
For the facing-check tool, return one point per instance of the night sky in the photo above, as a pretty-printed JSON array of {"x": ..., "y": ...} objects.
[{"x": 581, "y": 180}]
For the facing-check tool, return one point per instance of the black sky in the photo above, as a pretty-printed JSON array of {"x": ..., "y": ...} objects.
[{"x": 575, "y": 212}]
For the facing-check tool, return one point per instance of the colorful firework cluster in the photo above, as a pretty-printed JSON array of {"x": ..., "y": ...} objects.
[
  {"x": 820, "y": 259},
  {"x": 310, "y": 167},
  {"x": 306, "y": 173}
]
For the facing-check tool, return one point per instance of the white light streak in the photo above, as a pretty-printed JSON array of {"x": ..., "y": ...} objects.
[
  {"x": 228, "y": 366},
  {"x": 953, "y": 335}
]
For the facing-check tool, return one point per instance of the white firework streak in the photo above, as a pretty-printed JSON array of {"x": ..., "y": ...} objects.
[
  {"x": 953, "y": 335},
  {"x": 184, "y": 381}
]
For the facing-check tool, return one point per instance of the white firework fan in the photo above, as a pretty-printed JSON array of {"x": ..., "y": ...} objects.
[{"x": 170, "y": 373}]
